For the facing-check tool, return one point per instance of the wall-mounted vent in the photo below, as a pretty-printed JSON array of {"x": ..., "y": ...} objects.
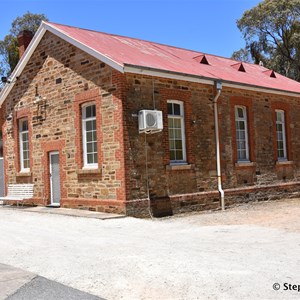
[
  {"x": 150, "y": 121},
  {"x": 239, "y": 66},
  {"x": 201, "y": 59},
  {"x": 270, "y": 73}
]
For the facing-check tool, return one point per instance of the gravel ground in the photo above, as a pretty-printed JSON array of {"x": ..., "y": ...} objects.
[{"x": 237, "y": 254}]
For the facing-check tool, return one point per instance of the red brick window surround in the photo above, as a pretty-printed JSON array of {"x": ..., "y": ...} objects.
[
  {"x": 23, "y": 138},
  {"x": 242, "y": 130},
  {"x": 182, "y": 98},
  {"x": 24, "y": 145},
  {"x": 281, "y": 132},
  {"x": 88, "y": 129},
  {"x": 176, "y": 130}
]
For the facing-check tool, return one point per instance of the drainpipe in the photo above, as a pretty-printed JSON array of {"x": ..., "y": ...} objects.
[{"x": 219, "y": 90}]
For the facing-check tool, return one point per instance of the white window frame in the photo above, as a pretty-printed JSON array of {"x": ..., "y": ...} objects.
[
  {"x": 84, "y": 120},
  {"x": 242, "y": 119},
  {"x": 282, "y": 112},
  {"x": 181, "y": 117},
  {"x": 21, "y": 144}
]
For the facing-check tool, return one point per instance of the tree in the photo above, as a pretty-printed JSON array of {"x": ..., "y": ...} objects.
[
  {"x": 9, "y": 52},
  {"x": 272, "y": 34}
]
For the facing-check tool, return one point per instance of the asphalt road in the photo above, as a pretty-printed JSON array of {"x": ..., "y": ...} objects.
[{"x": 17, "y": 284}]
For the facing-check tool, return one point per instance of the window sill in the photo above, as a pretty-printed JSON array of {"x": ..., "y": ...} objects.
[
  {"x": 24, "y": 174},
  {"x": 245, "y": 164},
  {"x": 89, "y": 171},
  {"x": 179, "y": 167},
  {"x": 284, "y": 162}
]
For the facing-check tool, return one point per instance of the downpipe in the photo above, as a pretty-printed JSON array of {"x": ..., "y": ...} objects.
[{"x": 220, "y": 189}]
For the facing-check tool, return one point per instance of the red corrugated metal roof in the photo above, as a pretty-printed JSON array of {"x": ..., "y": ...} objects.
[{"x": 132, "y": 51}]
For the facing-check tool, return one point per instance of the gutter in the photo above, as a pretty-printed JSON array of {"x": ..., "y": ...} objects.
[{"x": 218, "y": 159}]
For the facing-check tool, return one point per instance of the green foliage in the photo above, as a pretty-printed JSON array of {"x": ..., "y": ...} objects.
[
  {"x": 9, "y": 51},
  {"x": 272, "y": 34}
]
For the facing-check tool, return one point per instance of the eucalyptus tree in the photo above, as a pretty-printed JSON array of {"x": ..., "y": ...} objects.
[{"x": 272, "y": 34}]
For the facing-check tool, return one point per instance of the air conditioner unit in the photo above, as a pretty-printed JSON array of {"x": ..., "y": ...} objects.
[{"x": 150, "y": 121}]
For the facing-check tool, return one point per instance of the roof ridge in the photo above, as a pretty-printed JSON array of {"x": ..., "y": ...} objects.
[{"x": 152, "y": 42}]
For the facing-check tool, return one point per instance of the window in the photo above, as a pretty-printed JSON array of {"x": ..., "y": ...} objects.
[
  {"x": 280, "y": 135},
  {"x": 241, "y": 133},
  {"x": 24, "y": 145},
  {"x": 89, "y": 136},
  {"x": 176, "y": 132}
]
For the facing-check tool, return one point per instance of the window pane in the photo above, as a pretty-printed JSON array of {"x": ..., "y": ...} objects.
[
  {"x": 179, "y": 155},
  {"x": 176, "y": 109},
  {"x": 177, "y": 134},
  {"x": 242, "y": 125},
  {"x": 281, "y": 153},
  {"x": 171, "y": 133},
  {"x": 95, "y": 146},
  {"x": 240, "y": 112},
  {"x": 90, "y": 158},
  {"x": 90, "y": 111},
  {"x": 24, "y": 125},
  {"x": 279, "y": 116},
  {"x": 170, "y": 109},
  {"x": 89, "y": 147},
  {"x": 94, "y": 136},
  {"x": 279, "y": 127},
  {"x": 89, "y": 136},
  {"x": 172, "y": 155},
  {"x": 89, "y": 126},
  {"x": 172, "y": 144},
  {"x": 25, "y": 146},
  {"x": 177, "y": 123},
  {"x": 178, "y": 144},
  {"x": 26, "y": 164},
  {"x": 25, "y": 155},
  {"x": 95, "y": 158}
]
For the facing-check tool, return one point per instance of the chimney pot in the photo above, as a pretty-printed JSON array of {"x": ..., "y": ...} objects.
[{"x": 24, "y": 38}]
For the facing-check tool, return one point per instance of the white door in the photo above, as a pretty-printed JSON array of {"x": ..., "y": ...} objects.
[
  {"x": 1, "y": 177},
  {"x": 54, "y": 178}
]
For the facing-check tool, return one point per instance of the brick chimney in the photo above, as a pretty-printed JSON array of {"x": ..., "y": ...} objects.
[{"x": 24, "y": 38}]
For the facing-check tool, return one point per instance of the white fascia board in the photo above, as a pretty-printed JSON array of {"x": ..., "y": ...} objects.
[
  {"x": 117, "y": 66},
  {"x": 166, "y": 74},
  {"x": 260, "y": 89},
  {"x": 210, "y": 81}
]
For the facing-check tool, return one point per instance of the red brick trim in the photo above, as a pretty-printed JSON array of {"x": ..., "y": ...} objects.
[
  {"x": 286, "y": 108},
  {"x": 18, "y": 115},
  {"x": 185, "y": 97},
  {"x": 47, "y": 147},
  {"x": 80, "y": 99},
  {"x": 118, "y": 80},
  {"x": 247, "y": 102}
]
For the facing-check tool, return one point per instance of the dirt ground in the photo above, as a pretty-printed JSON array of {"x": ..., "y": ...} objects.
[
  {"x": 246, "y": 252},
  {"x": 283, "y": 214}
]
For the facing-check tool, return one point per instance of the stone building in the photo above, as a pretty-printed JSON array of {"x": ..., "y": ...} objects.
[{"x": 70, "y": 110}]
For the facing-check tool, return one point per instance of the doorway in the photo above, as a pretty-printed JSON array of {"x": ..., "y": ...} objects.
[{"x": 54, "y": 178}]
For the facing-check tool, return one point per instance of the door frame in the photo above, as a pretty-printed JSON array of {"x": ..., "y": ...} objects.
[{"x": 50, "y": 177}]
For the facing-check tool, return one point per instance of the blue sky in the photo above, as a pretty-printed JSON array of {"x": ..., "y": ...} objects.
[{"x": 205, "y": 25}]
